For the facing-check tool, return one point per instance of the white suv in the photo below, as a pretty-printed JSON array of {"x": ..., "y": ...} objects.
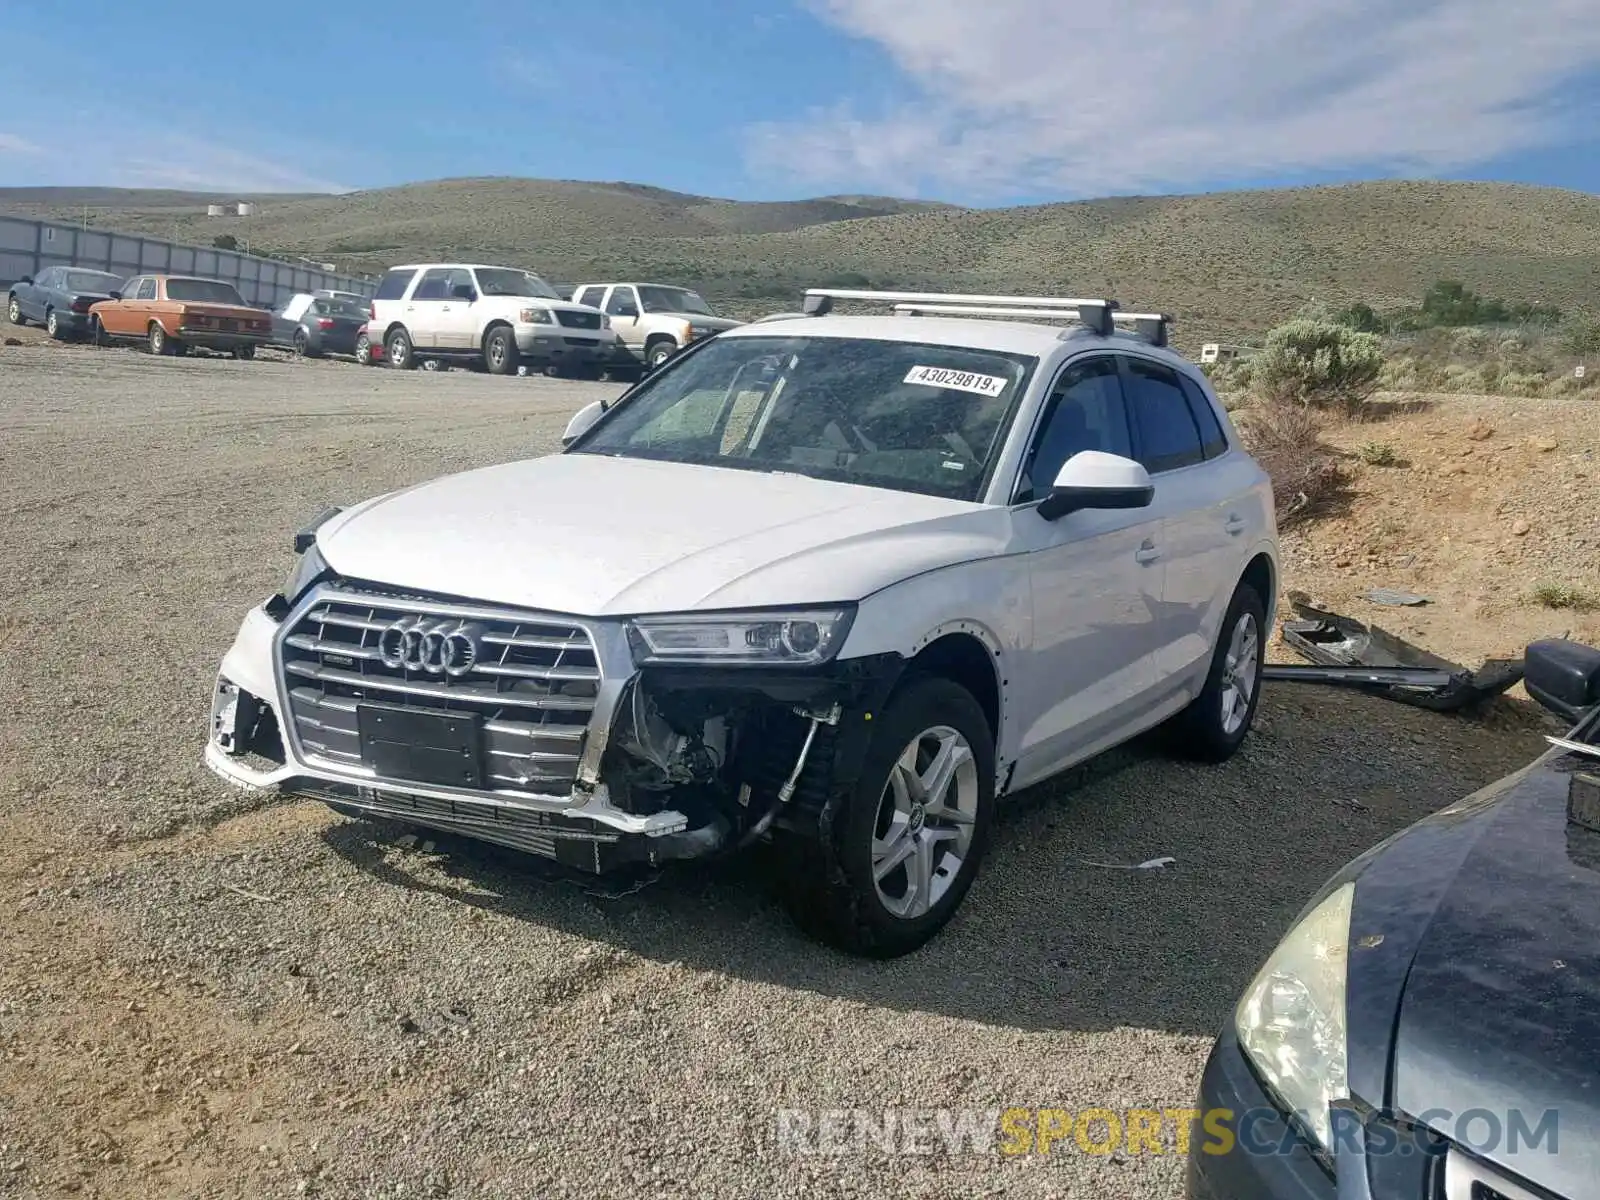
[
  {"x": 505, "y": 317},
  {"x": 832, "y": 582}
]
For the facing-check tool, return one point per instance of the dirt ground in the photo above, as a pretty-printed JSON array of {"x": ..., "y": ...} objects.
[{"x": 208, "y": 994}]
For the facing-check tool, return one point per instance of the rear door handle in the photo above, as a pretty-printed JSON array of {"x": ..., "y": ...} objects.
[
  {"x": 1234, "y": 524},
  {"x": 1146, "y": 554}
]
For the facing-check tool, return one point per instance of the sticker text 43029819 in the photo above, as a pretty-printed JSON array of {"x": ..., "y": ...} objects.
[{"x": 962, "y": 381}]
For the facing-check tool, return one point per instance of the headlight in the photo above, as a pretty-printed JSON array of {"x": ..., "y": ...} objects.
[
  {"x": 802, "y": 637},
  {"x": 605, "y": 321},
  {"x": 1291, "y": 1020},
  {"x": 536, "y": 316},
  {"x": 307, "y": 569}
]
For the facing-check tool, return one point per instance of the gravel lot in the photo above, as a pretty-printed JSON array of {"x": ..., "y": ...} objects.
[{"x": 204, "y": 995}]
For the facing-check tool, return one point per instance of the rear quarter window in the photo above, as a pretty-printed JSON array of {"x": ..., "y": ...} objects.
[
  {"x": 393, "y": 285},
  {"x": 1213, "y": 440}
]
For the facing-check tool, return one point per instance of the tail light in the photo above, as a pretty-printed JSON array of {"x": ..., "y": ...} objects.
[
  {"x": 324, "y": 322},
  {"x": 81, "y": 304}
]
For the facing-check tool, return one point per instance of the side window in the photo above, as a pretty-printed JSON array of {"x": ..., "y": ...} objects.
[
  {"x": 147, "y": 288},
  {"x": 1085, "y": 412},
  {"x": 393, "y": 285},
  {"x": 460, "y": 284},
  {"x": 623, "y": 303},
  {"x": 130, "y": 288},
  {"x": 433, "y": 285},
  {"x": 1168, "y": 436},
  {"x": 1213, "y": 440},
  {"x": 48, "y": 278},
  {"x": 590, "y": 296}
]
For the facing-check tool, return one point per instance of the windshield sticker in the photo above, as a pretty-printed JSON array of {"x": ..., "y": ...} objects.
[{"x": 961, "y": 381}]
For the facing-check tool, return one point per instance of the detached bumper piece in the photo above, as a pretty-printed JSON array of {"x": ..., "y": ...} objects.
[{"x": 1349, "y": 653}]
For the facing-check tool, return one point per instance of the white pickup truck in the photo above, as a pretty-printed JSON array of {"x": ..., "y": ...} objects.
[
  {"x": 653, "y": 320},
  {"x": 840, "y": 583}
]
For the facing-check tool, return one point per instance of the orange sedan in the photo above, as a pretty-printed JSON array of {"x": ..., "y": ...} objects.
[{"x": 171, "y": 313}]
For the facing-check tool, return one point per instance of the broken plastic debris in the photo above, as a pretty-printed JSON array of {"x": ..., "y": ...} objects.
[
  {"x": 1394, "y": 596},
  {"x": 1149, "y": 864}
]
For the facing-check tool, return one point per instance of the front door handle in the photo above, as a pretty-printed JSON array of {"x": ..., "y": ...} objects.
[
  {"x": 1146, "y": 554},
  {"x": 1234, "y": 524}
]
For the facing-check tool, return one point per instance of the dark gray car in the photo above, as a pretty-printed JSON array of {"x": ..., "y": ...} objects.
[
  {"x": 316, "y": 325},
  {"x": 59, "y": 299}
]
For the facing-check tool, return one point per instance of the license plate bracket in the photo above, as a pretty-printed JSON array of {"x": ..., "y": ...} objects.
[{"x": 422, "y": 745}]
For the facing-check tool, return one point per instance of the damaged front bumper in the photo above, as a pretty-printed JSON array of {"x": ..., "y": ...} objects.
[{"x": 675, "y": 763}]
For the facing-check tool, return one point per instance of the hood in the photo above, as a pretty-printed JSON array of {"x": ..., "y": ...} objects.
[
  {"x": 1501, "y": 1005},
  {"x": 594, "y": 535},
  {"x": 705, "y": 322}
]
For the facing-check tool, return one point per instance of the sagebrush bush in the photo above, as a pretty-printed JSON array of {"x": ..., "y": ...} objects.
[
  {"x": 1285, "y": 436},
  {"x": 1318, "y": 364}
]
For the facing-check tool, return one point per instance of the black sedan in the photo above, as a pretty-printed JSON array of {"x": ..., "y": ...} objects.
[
  {"x": 317, "y": 325},
  {"x": 1429, "y": 1028},
  {"x": 59, "y": 299}
]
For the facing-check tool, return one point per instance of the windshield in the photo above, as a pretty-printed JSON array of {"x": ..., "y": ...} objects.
[
  {"x": 212, "y": 291},
  {"x": 917, "y": 418},
  {"x": 91, "y": 281},
  {"x": 503, "y": 281},
  {"x": 672, "y": 300}
]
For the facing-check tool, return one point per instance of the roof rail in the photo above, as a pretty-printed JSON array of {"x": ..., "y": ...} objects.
[{"x": 1098, "y": 315}]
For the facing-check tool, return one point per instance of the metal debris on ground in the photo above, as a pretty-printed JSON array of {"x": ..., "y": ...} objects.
[
  {"x": 1349, "y": 653},
  {"x": 1150, "y": 864},
  {"x": 1393, "y": 596}
]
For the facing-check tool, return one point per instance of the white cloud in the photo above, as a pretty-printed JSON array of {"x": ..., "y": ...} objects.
[
  {"x": 1083, "y": 98},
  {"x": 10, "y": 143},
  {"x": 175, "y": 161}
]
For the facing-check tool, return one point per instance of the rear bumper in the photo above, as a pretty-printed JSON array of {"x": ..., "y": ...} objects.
[
  {"x": 215, "y": 339},
  {"x": 68, "y": 321}
]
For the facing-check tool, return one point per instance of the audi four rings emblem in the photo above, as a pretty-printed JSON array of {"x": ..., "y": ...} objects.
[{"x": 447, "y": 647}]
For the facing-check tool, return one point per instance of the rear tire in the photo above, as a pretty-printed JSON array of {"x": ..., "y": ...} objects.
[
  {"x": 500, "y": 353},
  {"x": 301, "y": 342},
  {"x": 244, "y": 352},
  {"x": 363, "y": 349},
  {"x": 1217, "y": 720},
  {"x": 14, "y": 312},
  {"x": 51, "y": 325},
  {"x": 398, "y": 351},
  {"x": 157, "y": 340},
  {"x": 906, "y": 846}
]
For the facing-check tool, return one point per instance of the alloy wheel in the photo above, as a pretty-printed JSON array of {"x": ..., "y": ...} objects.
[{"x": 925, "y": 822}]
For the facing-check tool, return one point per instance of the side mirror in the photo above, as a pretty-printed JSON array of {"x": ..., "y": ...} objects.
[
  {"x": 1095, "y": 479},
  {"x": 581, "y": 422},
  {"x": 463, "y": 291},
  {"x": 116, "y": 295},
  {"x": 1563, "y": 676},
  {"x": 26, "y": 279}
]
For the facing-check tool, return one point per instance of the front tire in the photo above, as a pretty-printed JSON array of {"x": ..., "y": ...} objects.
[
  {"x": 14, "y": 312},
  {"x": 398, "y": 351},
  {"x": 658, "y": 353},
  {"x": 244, "y": 352},
  {"x": 907, "y": 845},
  {"x": 1217, "y": 720},
  {"x": 500, "y": 353}
]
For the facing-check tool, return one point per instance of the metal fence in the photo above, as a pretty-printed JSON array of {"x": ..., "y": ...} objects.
[{"x": 28, "y": 247}]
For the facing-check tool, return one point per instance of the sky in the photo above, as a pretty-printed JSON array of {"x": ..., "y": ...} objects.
[{"x": 981, "y": 102}]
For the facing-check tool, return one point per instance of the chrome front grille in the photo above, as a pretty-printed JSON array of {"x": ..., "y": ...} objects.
[
  {"x": 578, "y": 320},
  {"x": 533, "y": 681}
]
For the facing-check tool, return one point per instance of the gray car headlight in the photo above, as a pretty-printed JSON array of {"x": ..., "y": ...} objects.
[
  {"x": 308, "y": 567},
  {"x": 1291, "y": 1019},
  {"x": 802, "y": 637}
]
